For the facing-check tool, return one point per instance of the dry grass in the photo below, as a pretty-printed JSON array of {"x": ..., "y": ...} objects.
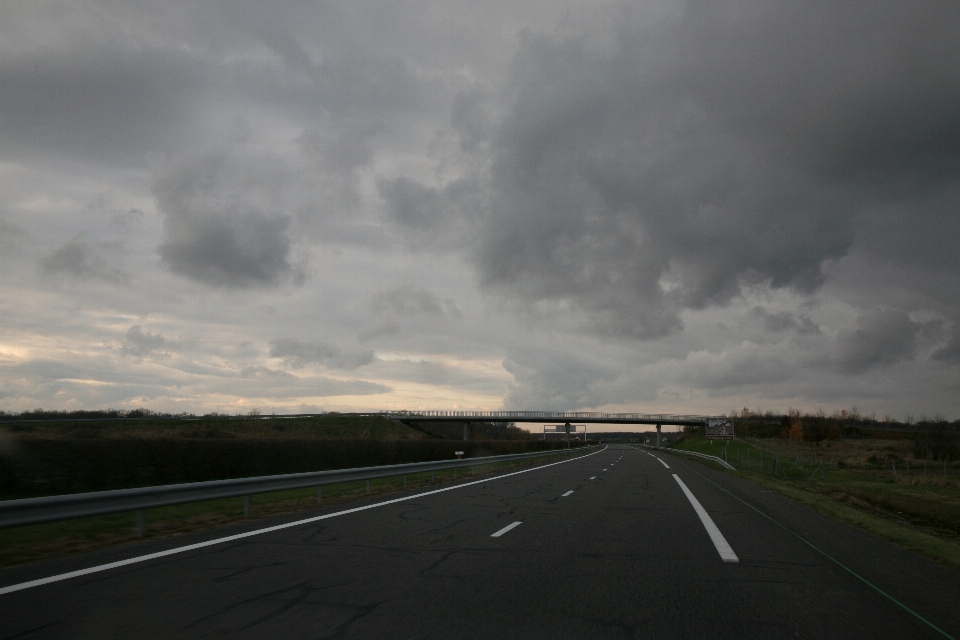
[{"x": 856, "y": 484}]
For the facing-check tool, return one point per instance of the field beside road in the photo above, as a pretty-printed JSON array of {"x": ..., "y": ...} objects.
[{"x": 871, "y": 483}]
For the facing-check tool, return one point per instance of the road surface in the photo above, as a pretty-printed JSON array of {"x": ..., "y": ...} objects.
[{"x": 609, "y": 545}]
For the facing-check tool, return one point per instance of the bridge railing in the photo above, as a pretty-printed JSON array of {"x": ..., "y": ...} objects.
[{"x": 545, "y": 415}]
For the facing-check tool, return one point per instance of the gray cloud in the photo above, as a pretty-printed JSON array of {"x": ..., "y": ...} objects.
[
  {"x": 112, "y": 104},
  {"x": 950, "y": 352},
  {"x": 726, "y": 147},
  {"x": 648, "y": 173},
  {"x": 784, "y": 320},
  {"x": 408, "y": 301},
  {"x": 265, "y": 373},
  {"x": 556, "y": 381},
  {"x": 215, "y": 231},
  {"x": 434, "y": 218},
  {"x": 77, "y": 259},
  {"x": 12, "y": 238},
  {"x": 884, "y": 337},
  {"x": 138, "y": 344},
  {"x": 298, "y": 353},
  {"x": 337, "y": 154}
]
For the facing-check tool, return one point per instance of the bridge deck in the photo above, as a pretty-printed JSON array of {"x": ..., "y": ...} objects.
[{"x": 540, "y": 416}]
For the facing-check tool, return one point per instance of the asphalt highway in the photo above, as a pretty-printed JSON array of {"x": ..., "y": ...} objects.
[{"x": 609, "y": 545}]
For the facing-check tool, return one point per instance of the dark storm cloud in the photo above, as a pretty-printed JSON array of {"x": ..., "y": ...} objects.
[
  {"x": 77, "y": 259},
  {"x": 731, "y": 146},
  {"x": 111, "y": 84},
  {"x": 216, "y": 231},
  {"x": 883, "y": 338},
  {"x": 299, "y": 353}
]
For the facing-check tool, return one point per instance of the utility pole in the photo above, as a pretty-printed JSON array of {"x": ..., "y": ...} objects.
[{"x": 658, "y": 436}]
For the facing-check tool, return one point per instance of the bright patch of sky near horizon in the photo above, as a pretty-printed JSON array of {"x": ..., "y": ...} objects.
[{"x": 684, "y": 207}]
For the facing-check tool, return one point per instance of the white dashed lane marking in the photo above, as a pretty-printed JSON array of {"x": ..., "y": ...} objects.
[
  {"x": 567, "y": 493},
  {"x": 505, "y": 529}
]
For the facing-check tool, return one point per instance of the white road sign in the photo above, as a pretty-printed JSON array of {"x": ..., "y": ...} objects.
[{"x": 720, "y": 429}]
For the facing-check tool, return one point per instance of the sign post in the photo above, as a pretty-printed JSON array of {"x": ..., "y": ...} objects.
[{"x": 720, "y": 429}]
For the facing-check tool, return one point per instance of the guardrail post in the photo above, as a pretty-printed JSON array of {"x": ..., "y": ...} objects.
[
  {"x": 246, "y": 506},
  {"x": 404, "y": 482},
  {"x": 431, "y": 477},
  {"x": 141, "y": 524},
  {"x": 368, "y": 487},
  {"x": 319, "y": 495}
]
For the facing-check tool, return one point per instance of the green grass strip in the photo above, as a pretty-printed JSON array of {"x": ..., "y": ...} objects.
[{"x": 829, "y": 557}]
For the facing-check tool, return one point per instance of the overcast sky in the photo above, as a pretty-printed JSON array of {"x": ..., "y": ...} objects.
[{"x": 684, "y": 207}]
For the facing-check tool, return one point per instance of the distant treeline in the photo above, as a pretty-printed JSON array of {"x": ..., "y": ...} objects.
[
  {"x": 478, "y": 430},
  {"x": 452, "y": 430},
  {"x": 99, "y": 414},
  {"x": 34, "y": 467},
  {"x": 933, "y": 437}
]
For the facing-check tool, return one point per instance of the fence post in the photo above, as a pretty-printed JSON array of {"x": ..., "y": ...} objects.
[
  {"x": 908, "y": 472},
  {"x": 893, "y": 463},
  {"x": 142, "y": 525}
]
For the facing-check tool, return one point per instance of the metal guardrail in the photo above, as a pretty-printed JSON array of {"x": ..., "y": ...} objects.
[
  {"x": 27, "y": 511},
  {"x": 700, "y": 455}
]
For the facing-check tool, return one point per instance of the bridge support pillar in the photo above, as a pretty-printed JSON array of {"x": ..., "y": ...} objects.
[
  {"x": 466, "y": 430},
  {"x": 658, "y": 436}
]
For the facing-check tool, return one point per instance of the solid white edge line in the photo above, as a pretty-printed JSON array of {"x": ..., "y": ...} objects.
[
  {"x": 663, "y": 463},
  {"x": 567, "y": 493},
  {"x": 257, "y": 532},
  {"x": 723, "y": 548},
  {"x": 505, "y": 529}
]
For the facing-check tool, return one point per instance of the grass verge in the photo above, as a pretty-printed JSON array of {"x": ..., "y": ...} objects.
[{"x": 922, "y": 514}]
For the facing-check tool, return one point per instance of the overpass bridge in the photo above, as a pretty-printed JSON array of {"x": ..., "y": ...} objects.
[{"x": 565, "y": 417}]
